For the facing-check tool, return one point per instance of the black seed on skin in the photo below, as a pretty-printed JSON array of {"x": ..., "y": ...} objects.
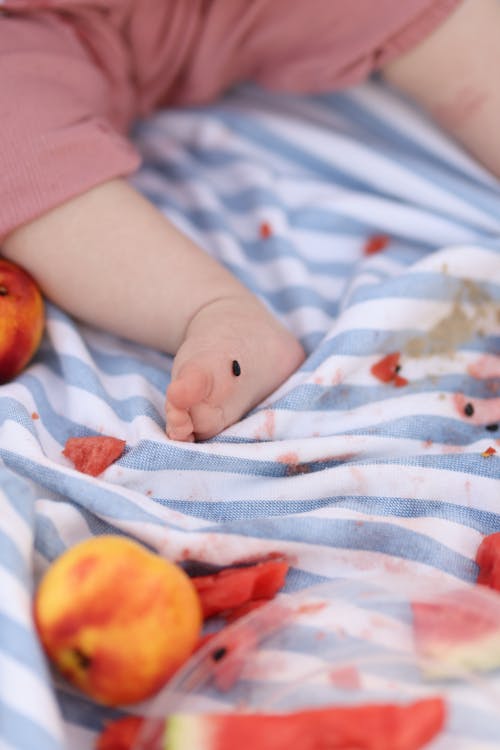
[
  {"x": 219, "y": 653},
  {"x": 492, "y": 427},
  {"x": 397, "y": 369},
  {"x": 236, "y": 367},
  {"x": 468, "y": 410},
  {"x": 3, "y": 290},
  {"x": 83, "y": 660}
]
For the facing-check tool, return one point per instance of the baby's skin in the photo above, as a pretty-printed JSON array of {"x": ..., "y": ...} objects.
[
  {"x": 234, "y": 354},
  {"x": 109, "y": 258}
]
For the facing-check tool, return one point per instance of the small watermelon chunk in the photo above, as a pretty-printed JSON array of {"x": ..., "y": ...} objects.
[
  {"x": 365, "y": 727},
  {"x": 488, "y": 560},
  {"x": 232, "y": 587},
  {"x": 456, "y": 634},
  {"x": 387, "y": 369},
  {"x": 375, "y": 244},
  {"x": 125, "y": 733},
  {"x": 91, "y": 455}
]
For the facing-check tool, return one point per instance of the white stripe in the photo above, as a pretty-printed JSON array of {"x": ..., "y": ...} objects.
[
  {"x": 21, "y": 689},
  {"x": 382, "y": 173}
]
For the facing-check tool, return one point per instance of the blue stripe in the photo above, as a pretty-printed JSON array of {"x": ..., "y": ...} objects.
[
  {"x": 23, "y": 733},
  {"x": 94, "y": 496},
  {"x": 125, "y": 364},
  {"x": 22, "y": 645},
  {"x": 13, "y": 560},
  {"x": 236, "y": 510},
  {"x": 370, "y": 537},
  {"x": 429, "y": 286},
  {"x": 344, "y": 396},
  {"x": 397, "y": 146},
  {"x": 18, "y": 494}
]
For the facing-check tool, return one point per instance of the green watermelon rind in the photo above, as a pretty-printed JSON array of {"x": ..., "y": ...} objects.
[
  {"x": 444, "y": 660},
  {"x": 188, "y": 731}
]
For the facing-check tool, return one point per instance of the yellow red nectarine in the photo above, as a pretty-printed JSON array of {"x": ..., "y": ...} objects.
[
  {"x": 117, "y": 619},
  {"x": 21, "y": 319}
]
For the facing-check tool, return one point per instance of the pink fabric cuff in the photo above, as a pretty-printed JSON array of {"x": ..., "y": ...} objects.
[{"x": 46, "y": 172}]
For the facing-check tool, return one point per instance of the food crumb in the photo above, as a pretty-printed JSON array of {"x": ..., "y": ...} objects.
[
  {"x": 265, "y": 230},
  {"x": 375, "y": 244},
  {"x": 488, "y": 452},
  {"x": 35, "y": 415}
]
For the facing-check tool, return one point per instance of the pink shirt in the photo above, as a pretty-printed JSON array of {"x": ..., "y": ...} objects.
[{"x": 75, "y": 73}]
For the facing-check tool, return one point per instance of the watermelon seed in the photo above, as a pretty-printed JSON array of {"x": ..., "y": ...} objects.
[
  {"x": 492, "y": 427},
  {"x": 219, "y": 653},
  {"x": 3, "y": 290},
  {"x": 236, "y": 368},
  {"x": 468, "y": 410}
]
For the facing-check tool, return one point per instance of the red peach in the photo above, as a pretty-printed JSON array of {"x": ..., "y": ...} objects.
[
  {"x": 21, "y": 319},
  {"x": 117, "y": 619}
]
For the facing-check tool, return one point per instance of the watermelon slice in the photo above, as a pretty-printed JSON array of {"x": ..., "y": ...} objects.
[
  {"x": 232, "y": 587},
  {"x": 488, "y": 560},
  {"x": 124, "y": 733},
  {"x": 365, "y": 727},
  {"x": 91, "y": 455},
  {"x": 457, "y": 634}
]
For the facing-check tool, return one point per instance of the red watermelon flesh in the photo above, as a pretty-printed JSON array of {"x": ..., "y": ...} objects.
[
  {"x": 386, "y": 369},
  {"x": 488, "y": 560},
  {"x": 125, "y": 733},
  {"x": 233, "y": 587},
  {"x": 91, "y": 455},
  {"x": 458, "y": 633},
  {"x": 365, "y": 727}
]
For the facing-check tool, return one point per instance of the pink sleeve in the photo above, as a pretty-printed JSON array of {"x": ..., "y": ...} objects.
[{"x": 60, "y": 119}]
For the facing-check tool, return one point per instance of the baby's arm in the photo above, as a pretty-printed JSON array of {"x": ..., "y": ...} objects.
[
  {"x": 104, "y": 253},
  {"x": 454, "y": 73},
  {"x": 111, "y": 259}
]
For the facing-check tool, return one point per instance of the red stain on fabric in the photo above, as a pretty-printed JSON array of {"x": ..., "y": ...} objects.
[
  {"x": 288, "y": 458},
  {"x": 375, "y": 244},
  {"x": 269, "y": 423},
  {"x": 487, "y": 366},
  {"x": 338, "y": 377},
  {"x": 346, "y": 678},
  {"x": 452, "y": 449},
  {"x": 311, "y": 608},
  {"x": 486, "y": 411},
  {"x": 265, "y": 230},
  {"x": 35, "y": 415}
]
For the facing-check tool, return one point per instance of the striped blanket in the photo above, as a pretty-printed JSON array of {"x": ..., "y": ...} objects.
[{"x": 367, "y": 232}]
